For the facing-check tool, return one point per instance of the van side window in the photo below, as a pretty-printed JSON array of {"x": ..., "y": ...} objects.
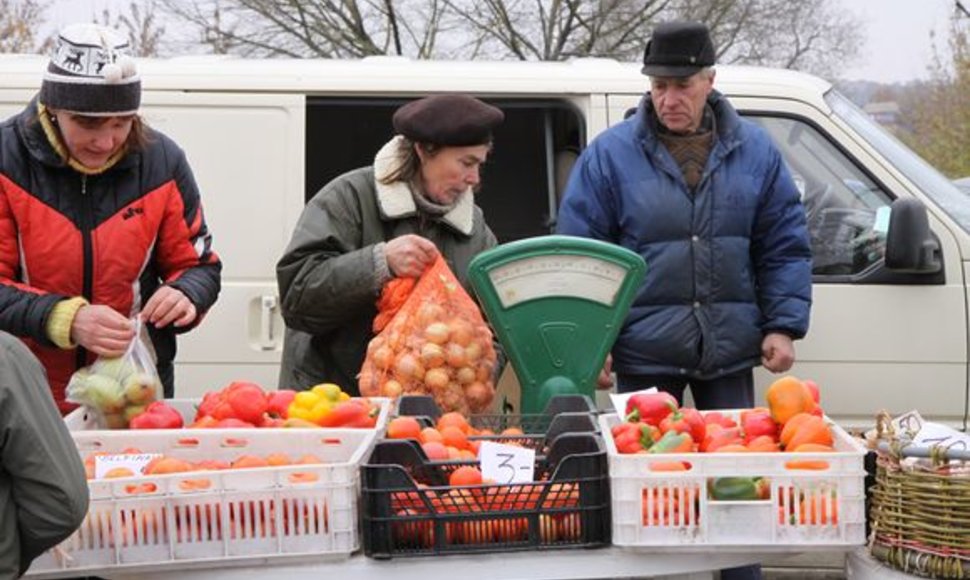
[
  {"x": 841, "y": 201},
  {"x": 533, "y": 152}
]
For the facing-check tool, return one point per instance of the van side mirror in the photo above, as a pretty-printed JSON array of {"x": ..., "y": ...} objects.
[{"x": 910, "y": 245}]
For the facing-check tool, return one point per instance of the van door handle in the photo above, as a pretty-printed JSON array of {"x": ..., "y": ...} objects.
[{"x": 267, "y": 307}]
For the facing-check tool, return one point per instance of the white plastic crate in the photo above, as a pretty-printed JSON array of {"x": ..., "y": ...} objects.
[
  {"x": 217, "y": 518},
  {"x": 81, "y": 420},
  {"x": 664, "y": 510}
]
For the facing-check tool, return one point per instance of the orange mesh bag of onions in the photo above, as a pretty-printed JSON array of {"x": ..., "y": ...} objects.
[{"x": 431, "y": 340}]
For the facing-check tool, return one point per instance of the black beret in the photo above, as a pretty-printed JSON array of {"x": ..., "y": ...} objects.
[
  {"x": 456, "y": 120},
  {"x": 678, "y": 49}
]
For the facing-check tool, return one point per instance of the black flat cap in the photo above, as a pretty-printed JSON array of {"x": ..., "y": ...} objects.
[
  {"x": 451, "y": 119},
  {"x": 678, "y": 49}
]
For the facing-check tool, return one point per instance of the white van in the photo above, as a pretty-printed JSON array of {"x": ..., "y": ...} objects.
[{"x": 889, "y": 325}]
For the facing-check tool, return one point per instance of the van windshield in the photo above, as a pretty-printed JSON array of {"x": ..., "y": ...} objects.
[{"x": 946, "y": 195}]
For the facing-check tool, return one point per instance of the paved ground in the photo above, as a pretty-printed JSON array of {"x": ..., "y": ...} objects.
[{"x": 809, "y": 566}]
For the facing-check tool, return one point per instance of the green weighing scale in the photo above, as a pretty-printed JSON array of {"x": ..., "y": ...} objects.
[{"x": 556, "y": 304}]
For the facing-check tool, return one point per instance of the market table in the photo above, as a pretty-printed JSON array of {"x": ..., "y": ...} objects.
[{"x": 609, "y": 562}]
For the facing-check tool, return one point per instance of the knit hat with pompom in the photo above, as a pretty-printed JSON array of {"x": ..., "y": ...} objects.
[{"x": 91, "y": 72}]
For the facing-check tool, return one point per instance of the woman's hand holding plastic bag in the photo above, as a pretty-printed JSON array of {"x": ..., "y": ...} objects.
[{"x": 118, "y": 388}]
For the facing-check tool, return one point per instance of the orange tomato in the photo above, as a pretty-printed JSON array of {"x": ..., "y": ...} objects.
[
  {"x": 453, "y": 419},
  {"x": 404, "y": 428},
  {"x": 454, "y": 437},
  {"x": 465, "y": 475},
  {"x": 277, "y": 459},
  {"x": 248, "y": 461},
  {"x": 429, "y": 434},
  {"x": 164, "y": 464},
  {"x": 435, "y": 451}
]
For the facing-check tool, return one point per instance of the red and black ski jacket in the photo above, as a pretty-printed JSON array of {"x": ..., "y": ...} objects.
[{"x": 112, "y": 238}]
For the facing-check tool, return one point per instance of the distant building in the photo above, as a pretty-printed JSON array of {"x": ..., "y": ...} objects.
[{"x": 886, "y": 113}]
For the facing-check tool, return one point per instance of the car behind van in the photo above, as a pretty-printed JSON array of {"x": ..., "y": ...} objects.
[{"x": 890, "y": 235}]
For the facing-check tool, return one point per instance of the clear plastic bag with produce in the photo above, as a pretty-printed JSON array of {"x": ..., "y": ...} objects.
[
  {"x": 117, "y": 389},
  {"x": 431, "y": 340}
]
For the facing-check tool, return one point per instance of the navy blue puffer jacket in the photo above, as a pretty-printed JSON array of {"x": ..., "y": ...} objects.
[{"x": 725, "y": 265}]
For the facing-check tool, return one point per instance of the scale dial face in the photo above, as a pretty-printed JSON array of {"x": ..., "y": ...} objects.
[{"x": 562, "y": 275}]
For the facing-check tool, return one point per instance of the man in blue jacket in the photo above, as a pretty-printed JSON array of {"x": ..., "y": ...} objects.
[{"x": 705, "y": 197}]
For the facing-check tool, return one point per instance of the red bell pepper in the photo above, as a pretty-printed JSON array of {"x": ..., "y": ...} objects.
[
  {"x": 717, "y": 418},
  {"x": 157, "y": 415},
  {"x": 634, "y": 437},
  {"x": 758, "y": 422},
  {"x": 240, "y": 400},
  {"x": 813, "y": 388},
  {"x": 718, "y": 436},
  {"x": 351, "y": 413},
  {"x": 651, "y": 408},
  {"x": 686, "y": 420},
  {"x": 277, "y": 403}
]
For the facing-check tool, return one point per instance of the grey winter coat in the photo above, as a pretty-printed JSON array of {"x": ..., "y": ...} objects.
[
  {"x": 43, "y": 491},
  {"x": 329, "y": 281}
]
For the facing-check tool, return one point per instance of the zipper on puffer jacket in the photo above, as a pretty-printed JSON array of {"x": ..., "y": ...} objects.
[{"x": 87, "y": 219}]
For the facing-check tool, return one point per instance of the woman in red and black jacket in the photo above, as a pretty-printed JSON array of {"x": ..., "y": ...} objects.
[{"x": 100, "y": 217}]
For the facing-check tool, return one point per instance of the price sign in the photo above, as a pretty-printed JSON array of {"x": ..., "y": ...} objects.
[
  {"x": 506, "y": 463},
  {"x": 133, "y": 462},
  {"x": 908, "y": 424},
  {"x": 934, "y": 434}
]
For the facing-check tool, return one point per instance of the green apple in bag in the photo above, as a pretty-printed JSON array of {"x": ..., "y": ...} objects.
[
  {"x": 140, "y": 388},
  {"x": 104, "y": 394}
]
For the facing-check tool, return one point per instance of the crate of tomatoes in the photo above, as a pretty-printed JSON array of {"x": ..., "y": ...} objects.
[
  {"x": 419, "y": 503},
  {"x": 772, "y": 478},
  {"x": 169, "y": 498}
]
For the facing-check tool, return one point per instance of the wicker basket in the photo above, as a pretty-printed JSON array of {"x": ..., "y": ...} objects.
[{"x": 920, "y": 507}]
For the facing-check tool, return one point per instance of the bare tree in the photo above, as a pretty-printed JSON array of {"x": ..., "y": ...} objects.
[
  {"x": 557, "y": 29},
  {"x": 20, "y": 21},
  {"x": 936, "y": 112},
  {"x": 810, "y": 35},
  {"x": 322, "y": 28},
  {"x": 145, "y": 33}
]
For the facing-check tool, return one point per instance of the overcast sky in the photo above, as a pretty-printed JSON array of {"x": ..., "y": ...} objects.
[{"x": 898, "y": 46}]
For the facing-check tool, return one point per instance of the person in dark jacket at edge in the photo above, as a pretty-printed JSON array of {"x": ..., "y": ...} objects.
[
  {"x": 100, "y": 217},
  {"x": 705, "y": 197},
  {"x": 43, "y": 491}
]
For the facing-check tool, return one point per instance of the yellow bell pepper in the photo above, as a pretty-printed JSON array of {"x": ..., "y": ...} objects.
[{"x": 315, "y": 404}]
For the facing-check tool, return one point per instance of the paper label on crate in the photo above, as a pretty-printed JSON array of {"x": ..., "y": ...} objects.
[
  {"x": 619, "y": 399},
  {"x": 134, "y": 462},
  {"x": 506, "y": 463},
  {"x": 934, "y": 434}
]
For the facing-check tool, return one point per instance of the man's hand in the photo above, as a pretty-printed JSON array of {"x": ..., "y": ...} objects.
[
  {"x": 409, "y": 255},
  {"x": 167, "y": 306},
  {"x": 102, "y": 330},
  {"x": 777, "y": 352},
  {"x": 605, "y": 379}
]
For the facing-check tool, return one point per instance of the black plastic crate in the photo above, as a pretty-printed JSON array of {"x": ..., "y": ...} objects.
[
  {"x": 530, "y": 424},
  {"x": 408, "y": 508}
]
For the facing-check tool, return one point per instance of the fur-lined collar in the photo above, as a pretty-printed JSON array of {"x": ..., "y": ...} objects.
[{"x": 395, "y": 201}]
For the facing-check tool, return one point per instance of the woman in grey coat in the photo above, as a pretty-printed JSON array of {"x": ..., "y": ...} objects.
[{"x": 390, "y": 219}]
